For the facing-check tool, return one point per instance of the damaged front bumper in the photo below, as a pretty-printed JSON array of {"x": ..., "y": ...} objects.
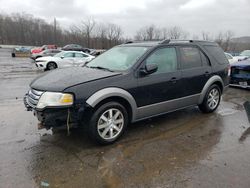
[{"x": 57, "y": 116}]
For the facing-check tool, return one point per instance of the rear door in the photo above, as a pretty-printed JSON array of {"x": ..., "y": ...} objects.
[
  {"x": 80, "y": 59},
  {"x": 67, "y": 60},
  {"x": 195, "y": 70}
]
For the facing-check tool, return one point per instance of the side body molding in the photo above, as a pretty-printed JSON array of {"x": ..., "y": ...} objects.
[
  {"x": 102, "y": 94},
  {"x": 210, "y": 82}
]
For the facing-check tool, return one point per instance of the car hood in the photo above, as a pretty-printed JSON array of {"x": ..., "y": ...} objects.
[{"x": 60, "y": 79}]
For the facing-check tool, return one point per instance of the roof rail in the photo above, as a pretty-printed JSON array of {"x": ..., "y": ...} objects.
[
  {"x": 181, "y": 41},
  {"x": 165, "y": 41},
  {"x": 129, "y": 42}
]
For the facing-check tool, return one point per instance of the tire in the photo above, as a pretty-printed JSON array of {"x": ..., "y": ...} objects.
[
  {"x": 211, "y": 100},
  {"x": 104, "y": 129},
  {"x": 51, "y": 66},
  {"x": 13, "y": 54}
]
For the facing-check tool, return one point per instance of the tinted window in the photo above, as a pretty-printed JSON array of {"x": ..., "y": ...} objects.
[
  {"x": 190, "y": 57},
  {"x": 217, "y": 53},
  {"x": 80, "y": 55},
  {"x": 69, "y": 55},
  {"x": 165, "y": 58}
]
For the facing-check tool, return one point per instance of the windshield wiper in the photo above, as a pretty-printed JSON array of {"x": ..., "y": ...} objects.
[{"x": 101, "y": 68}]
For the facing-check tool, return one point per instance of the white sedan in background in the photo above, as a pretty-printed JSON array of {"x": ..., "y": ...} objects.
[
  {"x": 231, "y": 58},
  {"x": 63, "y": 59}
]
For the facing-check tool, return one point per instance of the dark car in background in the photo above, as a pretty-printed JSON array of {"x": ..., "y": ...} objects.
[
  {"x": 50, "y": 52},
  {"x": 240, "y": 74},
  {"x": 97, "y": 52},
  {"x": 129, "y": 83},
  {"x": 75, "y": 47},
  {"x": 20, "y": 52}
]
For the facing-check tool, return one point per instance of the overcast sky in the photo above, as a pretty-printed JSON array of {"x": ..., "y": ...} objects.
[{"x": 193, "y": 16}]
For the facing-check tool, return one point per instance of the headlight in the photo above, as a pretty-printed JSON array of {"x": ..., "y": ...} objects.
[{"x": 54, "y": 99}]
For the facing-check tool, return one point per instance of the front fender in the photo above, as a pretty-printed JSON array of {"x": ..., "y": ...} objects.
[{"x": 103, "y": 94}]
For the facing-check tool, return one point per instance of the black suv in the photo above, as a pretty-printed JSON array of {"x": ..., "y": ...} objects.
[{"x": 128, "y": 83}]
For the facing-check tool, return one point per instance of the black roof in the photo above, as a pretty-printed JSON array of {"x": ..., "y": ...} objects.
[{"x": 167, "y": 41}]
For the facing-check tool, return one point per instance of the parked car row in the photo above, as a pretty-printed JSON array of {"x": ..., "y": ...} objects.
[
  {"x": 50, "y": 57},
  {"x": 242, "y": 56},
  {"x": 63, "y": 59},
  {"x": 21, "y": 51},
  {"x": 50, "y": 48}
]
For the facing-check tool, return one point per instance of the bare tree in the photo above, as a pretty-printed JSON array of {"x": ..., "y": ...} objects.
[
  {"x": 114, "y": 33},
  {"x": 148, "y": 33},
  {"x": 88, "y": 27},
  {"x": 206, "y": 35},
  {"x": 177, "y": 33},
  {"x": 224, "y": 39}
]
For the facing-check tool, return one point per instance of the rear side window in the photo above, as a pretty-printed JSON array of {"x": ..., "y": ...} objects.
[
  {"x": 217, "y": 53},
  {"x": 80, "y": 55},
  {"x": 190, "y": 57}
]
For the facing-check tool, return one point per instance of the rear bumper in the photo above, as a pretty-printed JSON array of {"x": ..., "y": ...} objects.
[{"x": 240, "y": 82}]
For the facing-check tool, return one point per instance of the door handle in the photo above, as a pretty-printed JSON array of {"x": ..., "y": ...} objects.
[
  {"x": 173, "y": 80},
  {"x": 207, "y": 73}
]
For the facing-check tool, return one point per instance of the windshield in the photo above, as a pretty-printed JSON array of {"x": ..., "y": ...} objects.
[
  {"x": 118, "y": 58},
  {"x": 245, "y": 53},
  {"x": 59, "y": 54}
]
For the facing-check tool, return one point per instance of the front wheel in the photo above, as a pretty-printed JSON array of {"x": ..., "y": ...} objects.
[
  {"x": 108, "y": 123},
  {"x": 51, "y": 66},
  {"x": 211, "y": 100}
]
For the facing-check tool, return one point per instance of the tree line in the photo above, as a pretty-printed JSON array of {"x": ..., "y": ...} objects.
[{"x": 25, "y": 29}]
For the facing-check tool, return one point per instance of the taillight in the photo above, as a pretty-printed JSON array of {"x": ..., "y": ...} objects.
[{"x": 229, "y": 70}]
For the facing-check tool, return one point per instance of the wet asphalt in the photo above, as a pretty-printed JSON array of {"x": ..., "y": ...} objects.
[{"x": 181, "y": 149}]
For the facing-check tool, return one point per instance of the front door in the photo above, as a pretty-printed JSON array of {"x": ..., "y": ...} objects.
[
  {"x": 156, "y": 92},
  {"x": 67, "y": 60}
]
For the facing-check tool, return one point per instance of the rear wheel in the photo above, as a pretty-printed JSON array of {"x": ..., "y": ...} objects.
[
  {"x": 108, "y": 123},
  {"x": 211, "y": 100},
  {"x": 51, "y": 66}
]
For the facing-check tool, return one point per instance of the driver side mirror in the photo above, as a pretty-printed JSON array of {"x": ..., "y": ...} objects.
[
  {"x": 62, "y": 57},
  {"x": 149, "y": 69}
]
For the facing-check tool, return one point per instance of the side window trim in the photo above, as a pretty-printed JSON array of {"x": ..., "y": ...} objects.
[{"x": 209, "y": 62}]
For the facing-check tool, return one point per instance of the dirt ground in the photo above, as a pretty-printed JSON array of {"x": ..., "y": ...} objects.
[{"x": 181, "y": 149}]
